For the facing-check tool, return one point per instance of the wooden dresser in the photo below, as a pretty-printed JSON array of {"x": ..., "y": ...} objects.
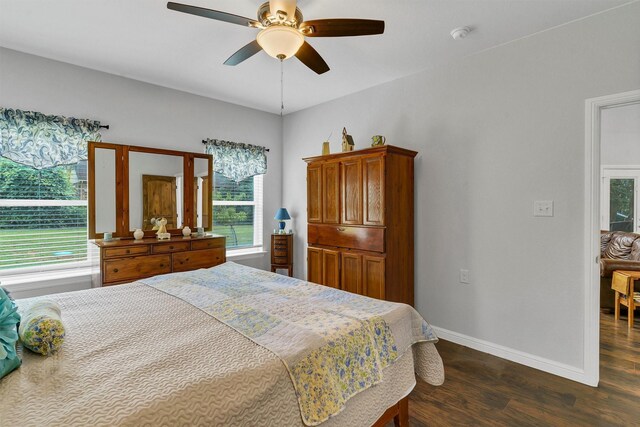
[
  {"x": 360, "y": 222},
  {"x": 282, "y": 252},
  {"x": 124, "y": 261}
]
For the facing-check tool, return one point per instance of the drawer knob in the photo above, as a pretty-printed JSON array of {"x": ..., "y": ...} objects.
[
  {"x": 128, "y": 251},
  {"x": 161, "y": 265},
  {"x": 170, "y": 247},
  {"x": 115, "y": 270}
]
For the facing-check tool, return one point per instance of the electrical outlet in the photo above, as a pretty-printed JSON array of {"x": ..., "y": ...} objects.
[
  {"x": 464, "y": 276},
  {"x": 543, "y": 208}
]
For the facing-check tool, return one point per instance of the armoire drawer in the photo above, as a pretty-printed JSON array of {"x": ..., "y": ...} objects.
[
  {"x": 118, "y": 270},
  {"x": 184, "y": 261},
  {"x": 344, "y": 236}
]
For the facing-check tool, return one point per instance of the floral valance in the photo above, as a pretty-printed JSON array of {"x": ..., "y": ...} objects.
[
  {"x": 236, "y": 161},
  {"x": 40, "y": 141}
]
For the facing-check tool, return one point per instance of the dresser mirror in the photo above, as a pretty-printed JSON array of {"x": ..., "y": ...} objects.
[
  {"x": 155, "y": 190},
  {"x": 105, "y": 174},
  {"x": 202, "y": 190},
  {"x": 133, "y": 187}
]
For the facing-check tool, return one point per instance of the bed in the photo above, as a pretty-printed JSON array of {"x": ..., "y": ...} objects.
[{"x": 171, "y": 350}]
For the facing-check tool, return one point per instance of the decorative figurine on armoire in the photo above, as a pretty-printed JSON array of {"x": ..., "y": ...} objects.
[{"x": 347, "y": 141}]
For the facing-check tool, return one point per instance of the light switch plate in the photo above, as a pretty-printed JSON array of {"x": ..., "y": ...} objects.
[
  {"x": 543, "y": 208},
  {"x": 464, "y": 276}
]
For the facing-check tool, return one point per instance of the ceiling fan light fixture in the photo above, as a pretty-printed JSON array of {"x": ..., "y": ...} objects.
[{"x": 280, "y": 41}]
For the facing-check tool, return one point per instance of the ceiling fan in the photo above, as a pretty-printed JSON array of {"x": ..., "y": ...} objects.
[{"x": 283, "y": 31}]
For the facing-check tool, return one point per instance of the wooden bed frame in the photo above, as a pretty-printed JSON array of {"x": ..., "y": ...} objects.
[{"x": 399, "y": 413}]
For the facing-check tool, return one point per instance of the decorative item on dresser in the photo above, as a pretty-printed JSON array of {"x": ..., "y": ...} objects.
[
  {"x": 360, "y": 222},
  {"x": 282, "y": 252},
  {"x": 124, "y": 261},
  {"x": 282, "y": 215}
]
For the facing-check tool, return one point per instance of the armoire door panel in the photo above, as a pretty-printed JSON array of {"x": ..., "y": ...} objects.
[
  {"x": 351, "y": 183},
  {"x": 314, "y": 193},
  {"x": 373, "y": 189},
  {"x": 351, "y": 272},
  {"x": 314, "y": 265},
  {"x": 331, "y": 193},
  {"x": 331, "y": 268},
  {"x": 373, "y": 276}
]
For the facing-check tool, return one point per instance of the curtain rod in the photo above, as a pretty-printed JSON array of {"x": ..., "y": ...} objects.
[{"x": 204, "y": 141}]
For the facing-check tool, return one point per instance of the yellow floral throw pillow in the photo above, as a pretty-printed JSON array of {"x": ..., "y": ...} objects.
[{"x": 41, "y": 329}]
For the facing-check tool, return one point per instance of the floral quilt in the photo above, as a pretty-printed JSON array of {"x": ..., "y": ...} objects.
[{"x": 334, "y": 344}]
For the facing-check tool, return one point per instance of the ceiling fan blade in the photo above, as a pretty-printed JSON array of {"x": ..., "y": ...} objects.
[
  {"x": 213, "y": 14},
  {"x": 311, "y": 58},
  {"x": 341, "y": 27},
  {"x": 243, "y": 53}
]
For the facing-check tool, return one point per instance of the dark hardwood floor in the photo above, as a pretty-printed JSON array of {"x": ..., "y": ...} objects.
[{"x": 483, "y": 390}]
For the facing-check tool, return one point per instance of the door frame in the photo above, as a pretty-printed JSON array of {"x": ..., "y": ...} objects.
[{"x": 593, "y": 108}]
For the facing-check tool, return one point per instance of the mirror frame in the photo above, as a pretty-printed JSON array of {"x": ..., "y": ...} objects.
[{"x": 122, "y": 187}]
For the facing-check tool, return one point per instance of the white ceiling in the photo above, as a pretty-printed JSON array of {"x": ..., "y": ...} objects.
[{"x": 143, "y": 40}]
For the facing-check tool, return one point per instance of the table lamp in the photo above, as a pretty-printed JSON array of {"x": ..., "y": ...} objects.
[{"x": 281, "y": 216}]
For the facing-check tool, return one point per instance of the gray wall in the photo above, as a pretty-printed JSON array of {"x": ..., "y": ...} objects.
[
  {"x": 620, "y": 136},
  {"x": 495, "y": 132},
  {"x": 142, "y": 114}
]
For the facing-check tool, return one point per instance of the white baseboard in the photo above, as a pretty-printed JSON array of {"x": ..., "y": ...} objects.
[{"x": 541, "y": 363}]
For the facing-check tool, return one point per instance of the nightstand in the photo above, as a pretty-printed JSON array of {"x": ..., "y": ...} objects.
[{"x": 282, "y": 252}]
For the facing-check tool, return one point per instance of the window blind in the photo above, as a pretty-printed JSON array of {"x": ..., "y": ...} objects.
[
  {"x": 237, "y": 210},
  {"x": 43, "y": 216}
]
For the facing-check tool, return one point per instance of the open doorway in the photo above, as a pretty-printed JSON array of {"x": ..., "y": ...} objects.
[
  {"x": 612, "y": 235},
  {"x": 619, "y": 213}
]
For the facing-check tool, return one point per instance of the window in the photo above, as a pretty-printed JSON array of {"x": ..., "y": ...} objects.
[
  {"x": 620, "y": 205},
  {"x": 43, "y": 217},
  {"x": 237, "y": 210}
]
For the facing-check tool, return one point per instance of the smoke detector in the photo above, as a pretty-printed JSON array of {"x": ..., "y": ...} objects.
[{"x": 460, "y": 33}]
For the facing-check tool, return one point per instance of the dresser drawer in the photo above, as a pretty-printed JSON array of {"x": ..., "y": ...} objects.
[
  {"x": 208, "y": 243},
  {"x": 280, "y": 260},
  {"x": 163, "y": 248},
  {"x": 344, "y": 236},
  {"x": 128, "y": 251},
  {"x": 184, "y": 261},
  {"x": 134, "y": 268},
  {"x": 280, "y": 251}
]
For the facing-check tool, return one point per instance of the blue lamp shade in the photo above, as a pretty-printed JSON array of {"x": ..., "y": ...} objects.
[{"x": 281, "y": 216}]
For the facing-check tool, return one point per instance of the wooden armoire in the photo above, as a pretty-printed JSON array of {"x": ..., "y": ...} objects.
[{"x": 360, "y": 222}]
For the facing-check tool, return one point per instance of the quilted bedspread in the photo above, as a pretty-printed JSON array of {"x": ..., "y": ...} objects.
[
  {"x": 334, "y": 344},
  {"x": 137, "y": 356}
]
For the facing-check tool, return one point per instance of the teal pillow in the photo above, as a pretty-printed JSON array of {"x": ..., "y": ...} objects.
[{"x": 9, "y": 319}]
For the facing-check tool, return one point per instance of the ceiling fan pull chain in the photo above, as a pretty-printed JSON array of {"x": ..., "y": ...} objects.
[{"x": 281, "y": 86}]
